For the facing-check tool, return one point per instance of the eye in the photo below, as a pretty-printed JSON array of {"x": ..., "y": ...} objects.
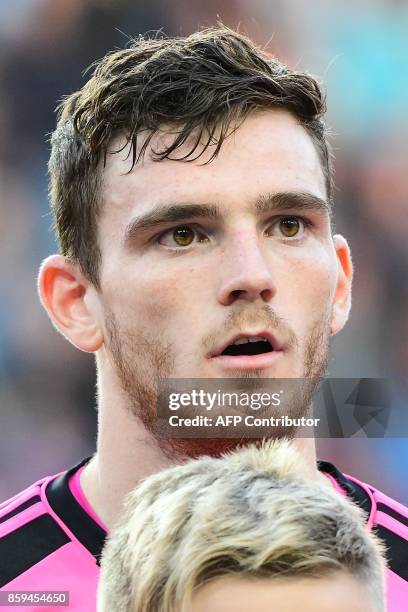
[
  {"x": 288, "y": 227},
  {"x": 182, "y": 236}
]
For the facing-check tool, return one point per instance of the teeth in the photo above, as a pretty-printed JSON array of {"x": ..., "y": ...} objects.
[
  {"x": 241, "y": 341},
  {"x": 253, "y": 339}
]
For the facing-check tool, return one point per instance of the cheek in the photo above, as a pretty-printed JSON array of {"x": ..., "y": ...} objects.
[
  {"x": 157, "y": 298},
  {"x": 311, "y": 281}
]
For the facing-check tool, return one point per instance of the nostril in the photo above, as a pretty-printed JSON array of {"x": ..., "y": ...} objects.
[
  {"x": 267, "y": 295},
  {"x": 248, "y": 287},
  {"x": 237, "y": 293}
]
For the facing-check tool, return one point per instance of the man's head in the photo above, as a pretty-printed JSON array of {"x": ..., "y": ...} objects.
[
  {"x": 198, "y": 88},
  {"x": 247, "y": 531},
  {"x": 192, "y": 192}
]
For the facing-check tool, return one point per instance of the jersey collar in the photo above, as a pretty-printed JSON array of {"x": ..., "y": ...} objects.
[
  {"x": 64, "y": 504},
  {"x": 92, "y": 536},
  {"x": 353, "y": 490}
]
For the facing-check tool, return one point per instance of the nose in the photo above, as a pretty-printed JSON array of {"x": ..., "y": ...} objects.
[{"x": 246, "y": 274}]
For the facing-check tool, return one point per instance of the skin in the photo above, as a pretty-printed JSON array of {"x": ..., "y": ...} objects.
[
  {"x": 162, "y": 310},
  {"x": 335, "y": 593}
]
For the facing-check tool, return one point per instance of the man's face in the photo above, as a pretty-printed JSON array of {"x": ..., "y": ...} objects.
[
  {"x": 335, "y": 593},
  {"x": 195, "y": 257}
]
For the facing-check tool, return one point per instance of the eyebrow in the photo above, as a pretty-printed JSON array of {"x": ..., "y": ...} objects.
[
  {"x": 266, "y": 203},
  {"x": 299, "y": 200}
]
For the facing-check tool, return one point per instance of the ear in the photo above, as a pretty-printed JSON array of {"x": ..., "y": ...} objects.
[
  {"x": 342, "y": 295},
  {"x": 71, "y": 302}
]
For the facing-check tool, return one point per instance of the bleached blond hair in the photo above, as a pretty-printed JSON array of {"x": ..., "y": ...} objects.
[{"x": 252, "y": 513}]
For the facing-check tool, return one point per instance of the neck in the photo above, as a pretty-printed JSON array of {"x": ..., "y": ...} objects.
[{"x": 127, "y": 453}]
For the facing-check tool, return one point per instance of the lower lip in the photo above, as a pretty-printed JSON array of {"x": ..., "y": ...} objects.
[{"x": 248, "y": 362}]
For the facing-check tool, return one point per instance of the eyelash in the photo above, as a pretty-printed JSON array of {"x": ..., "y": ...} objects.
[{"x": 307, "y": 223}]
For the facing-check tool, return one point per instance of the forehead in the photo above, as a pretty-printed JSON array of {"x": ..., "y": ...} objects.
[
  {"x": 270, "y": 152},
  {"x": 326, "y": 594}
]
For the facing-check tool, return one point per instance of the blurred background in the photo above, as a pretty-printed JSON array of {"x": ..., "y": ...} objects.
[{"x": 47, "y": 397}]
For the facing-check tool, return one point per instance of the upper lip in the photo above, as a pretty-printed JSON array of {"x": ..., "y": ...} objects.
[{"x": 276, "y": 345}]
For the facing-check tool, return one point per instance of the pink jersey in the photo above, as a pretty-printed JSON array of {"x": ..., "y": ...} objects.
[{"x": 51, "y": 540}]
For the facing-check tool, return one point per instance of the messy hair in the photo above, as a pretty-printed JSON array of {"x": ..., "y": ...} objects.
[
  {"x": 203, "y": 86},
  {"x": 252, "y": 514}
]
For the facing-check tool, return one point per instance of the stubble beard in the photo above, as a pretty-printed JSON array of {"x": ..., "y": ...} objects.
[{"x": 141, "y": 360}]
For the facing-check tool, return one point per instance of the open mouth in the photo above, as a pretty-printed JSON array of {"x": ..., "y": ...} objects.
[
  {"x": 248, "y": 351},
  {"x": 248, "y": 346}
]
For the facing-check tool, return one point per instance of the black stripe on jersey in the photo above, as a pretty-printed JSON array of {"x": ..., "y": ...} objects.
[
  {"x": 64, "y": 504},
  {"x": 20, "y": 508},
  {"x": 353, "y": 490},
  {"x": 28, "y": 545},
  {"x": 397, "y": 551},
  {"x": 391, "y": 512}
]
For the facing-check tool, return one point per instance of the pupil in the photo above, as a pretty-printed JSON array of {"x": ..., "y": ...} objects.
[
  {"x": 183, "y": 236},
  {"x": 290, "y": 227}
]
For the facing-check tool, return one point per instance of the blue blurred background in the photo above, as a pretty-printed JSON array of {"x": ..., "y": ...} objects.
[{"x": 47, "y": 398}]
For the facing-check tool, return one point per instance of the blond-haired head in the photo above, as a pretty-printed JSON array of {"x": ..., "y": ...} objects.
[{"x": 251, "y": 513}]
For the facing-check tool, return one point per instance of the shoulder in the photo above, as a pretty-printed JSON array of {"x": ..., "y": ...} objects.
[
  {"x": 385, "y": 516},
  {"x": 389, "y": 519},
  {"x": 38, "y": 538},
  {"x": 28, "y": 532},
  {"x": 384, "y": 511},
  {"x": 389, "y": 511}
]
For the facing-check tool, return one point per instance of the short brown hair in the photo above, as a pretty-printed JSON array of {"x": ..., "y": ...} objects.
[{"x": 206, "y": 83}]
